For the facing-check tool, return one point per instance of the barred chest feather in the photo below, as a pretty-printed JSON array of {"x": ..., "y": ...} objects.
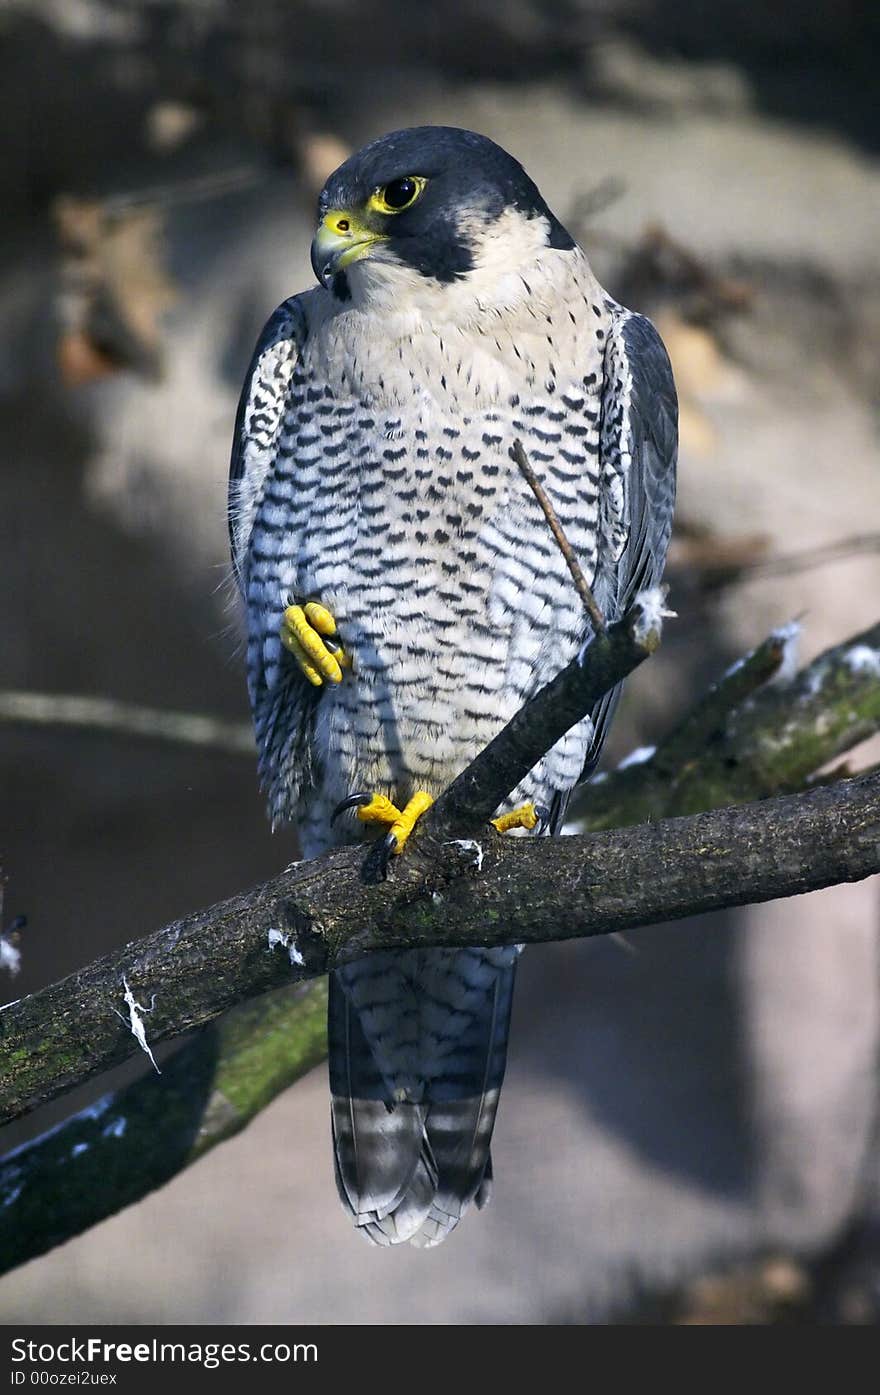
[{"x": 394, "y": 500}]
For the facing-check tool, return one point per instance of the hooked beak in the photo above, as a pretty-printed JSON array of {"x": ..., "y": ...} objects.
[{"x": 340, "y": 240}]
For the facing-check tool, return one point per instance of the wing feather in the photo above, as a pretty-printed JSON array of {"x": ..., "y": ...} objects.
[
  {"x": 283, "y": 710},
  {"x": 258, "y": 422},
  {"x": 640, "y": 446},
  {"x": 639, "y": 449}
]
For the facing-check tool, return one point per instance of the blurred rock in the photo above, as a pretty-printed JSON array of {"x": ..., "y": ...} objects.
[
  {"x": 621, "y": 70},
  {"x": 170, "y": 124},
  {"x": 320, "y": 154},
  {"x": 113, "y": 289}
]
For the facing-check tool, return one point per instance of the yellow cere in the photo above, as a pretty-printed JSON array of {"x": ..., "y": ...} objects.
[{"x": 346, "y": 237}]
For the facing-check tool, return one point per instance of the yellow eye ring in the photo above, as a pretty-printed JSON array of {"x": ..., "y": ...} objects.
[{"x": 397, "y": 195}]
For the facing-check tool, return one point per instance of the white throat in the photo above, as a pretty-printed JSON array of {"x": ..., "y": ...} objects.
[
  {"x": 479, "y": 339},
  {"x": 513, "y": 267}
]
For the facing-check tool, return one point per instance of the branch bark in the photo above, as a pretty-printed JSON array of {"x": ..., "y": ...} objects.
[
  {"x": 321, "y": 914},
  {"x": 610, "y": 656}
]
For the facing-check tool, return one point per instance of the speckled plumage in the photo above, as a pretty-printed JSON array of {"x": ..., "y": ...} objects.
[{"x": 372, "y": 471}]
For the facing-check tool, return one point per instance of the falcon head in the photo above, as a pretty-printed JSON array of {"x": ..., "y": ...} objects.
[{"x": 430, "y": 203}]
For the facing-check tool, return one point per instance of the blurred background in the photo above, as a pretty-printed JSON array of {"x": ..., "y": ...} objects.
[{"x": 688, "y": 1130}]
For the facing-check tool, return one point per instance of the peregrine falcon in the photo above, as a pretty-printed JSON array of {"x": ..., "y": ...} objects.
[{"x": 405, "y": 595}]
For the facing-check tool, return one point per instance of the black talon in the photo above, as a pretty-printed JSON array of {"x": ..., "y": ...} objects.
[
  {"x": 543, "y": 816},
  {"x": 388, "y": 847},
  {"x": 377, "y": 861},
  {"x": 354, "y": 801}
]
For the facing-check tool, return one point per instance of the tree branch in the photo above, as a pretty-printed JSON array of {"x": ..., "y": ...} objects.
[
  {"x": 747, "y": 737},
  {"x": 125, "y": 1145},
  {"x": 717, "y": 563},
  {"x": 778, "y": 847},
  {"x": 320, "y": 914}
]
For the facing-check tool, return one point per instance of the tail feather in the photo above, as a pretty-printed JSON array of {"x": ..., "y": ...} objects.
[
  {"x": 459, "y": 1133},
  {"x": 377, "y": 1147},
  {"x": 415, "y": 1077},
  {"x": 486, "y": 1187},
  {"x": 383, "y": 1177}
]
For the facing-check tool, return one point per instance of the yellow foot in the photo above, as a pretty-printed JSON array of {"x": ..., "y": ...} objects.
[
  {"x": 375, "y": 808},
  {"x": 303, "y": 632},
  {"x": 526, "y": 816}
]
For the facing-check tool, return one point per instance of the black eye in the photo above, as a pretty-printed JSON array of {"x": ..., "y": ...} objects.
[
  {"x": 400, "y": 193},
  {"x": 397, "y": 194}
]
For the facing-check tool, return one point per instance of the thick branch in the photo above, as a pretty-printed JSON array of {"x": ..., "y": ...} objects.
[
  {"x": 498, "y": 891},
  {"x": 746, "y": 739},
  {"x": 127, "y": 1144}
]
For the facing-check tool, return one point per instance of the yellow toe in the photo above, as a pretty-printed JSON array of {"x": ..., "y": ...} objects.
[
  {"x": 301, "y": 631},
  {"x": 319, "y": 618},
  {"x": 293, "y": 646},
  {"x": 379, "y": 810},
  {"x": 403, "y": 826},
  {"x": 525, "y": 816}
]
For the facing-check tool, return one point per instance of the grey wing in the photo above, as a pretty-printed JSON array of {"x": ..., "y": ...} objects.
[
  {"x": 258, "y": 422},
  {"x": 639, "y": 449},
  {"x": 283, "y": 702}
]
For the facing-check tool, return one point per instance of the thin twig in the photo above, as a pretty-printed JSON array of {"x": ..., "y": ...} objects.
[
  {"x": 128, "y": 719},
  {"x": 207, "y": 186},
  {"x": 589, "y": 203},
  {"x": 861, "y": 545},
  {"x": 565, "y": 547}
]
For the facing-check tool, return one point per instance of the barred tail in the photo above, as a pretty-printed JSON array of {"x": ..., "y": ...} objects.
[{"x": 418, "y": 1045}]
